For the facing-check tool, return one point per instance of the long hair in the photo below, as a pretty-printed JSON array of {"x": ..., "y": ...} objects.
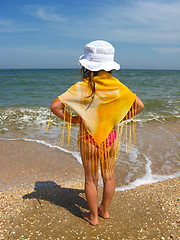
[{"x": 89, "y": 75}]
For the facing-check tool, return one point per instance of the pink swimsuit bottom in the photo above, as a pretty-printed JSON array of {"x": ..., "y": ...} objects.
[{"x": 111, "y": 138}]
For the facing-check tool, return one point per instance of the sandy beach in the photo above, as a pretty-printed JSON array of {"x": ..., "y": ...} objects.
[{"x": 42, "y": 196}]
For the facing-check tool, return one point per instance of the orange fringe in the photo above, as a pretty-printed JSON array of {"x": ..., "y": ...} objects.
[
  {"x": 61, "y": 142},
  {"x": 48, "y": 123},
  {"x": 102, "y": 152}
]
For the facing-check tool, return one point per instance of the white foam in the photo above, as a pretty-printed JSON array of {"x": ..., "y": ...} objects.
[
  {"x": 75, "y": 154},
  {"x": 148, "y": 178},
  {"x": 4, "y": 129},
  {"x": 26, "y": 116}
]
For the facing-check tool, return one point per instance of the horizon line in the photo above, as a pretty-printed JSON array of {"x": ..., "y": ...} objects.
[{"x": 39, "y": 68}]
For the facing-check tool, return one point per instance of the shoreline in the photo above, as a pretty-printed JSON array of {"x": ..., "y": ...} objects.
[
  {"x": 42, "y": 197},
  {"x": 22, "y": 163}
]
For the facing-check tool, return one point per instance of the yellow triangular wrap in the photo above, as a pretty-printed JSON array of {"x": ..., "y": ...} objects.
[{"x": 111, "y": 103}]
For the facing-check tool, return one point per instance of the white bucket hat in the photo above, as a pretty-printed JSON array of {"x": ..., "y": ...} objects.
[{"x": 99, "y": 55}]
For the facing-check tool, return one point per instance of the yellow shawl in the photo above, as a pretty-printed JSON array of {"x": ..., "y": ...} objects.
[
  {"x": 110, "y": 105},
  {"x": 113, "y": 102}
]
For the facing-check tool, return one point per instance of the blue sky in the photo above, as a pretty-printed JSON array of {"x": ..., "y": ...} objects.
[{"x": 53, "y": 33}]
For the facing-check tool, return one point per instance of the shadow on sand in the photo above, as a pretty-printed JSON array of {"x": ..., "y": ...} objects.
[{"x": 64, "y": 197}]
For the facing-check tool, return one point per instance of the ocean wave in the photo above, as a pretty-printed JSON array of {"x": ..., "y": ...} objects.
[
  {"x": 147, "y": 179},
  {"x": 19, "y": 118}
]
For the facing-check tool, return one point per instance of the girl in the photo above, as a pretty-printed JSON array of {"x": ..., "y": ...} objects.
[{"x": 100, "y": 102}]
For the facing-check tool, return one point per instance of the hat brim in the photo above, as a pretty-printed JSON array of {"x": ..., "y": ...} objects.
[{"x": 97, "y": 66}]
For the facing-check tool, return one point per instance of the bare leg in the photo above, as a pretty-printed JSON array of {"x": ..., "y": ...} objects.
[
  {"x": 91, "y": 189},
  {"x": 108, "y": 184},
  {"x": 92, "y": 199},
  {"x": 108, "y": 193}
]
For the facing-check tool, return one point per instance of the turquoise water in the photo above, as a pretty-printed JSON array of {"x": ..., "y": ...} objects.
[
  {"x": 39, "y": 87},
  {"x": 31, "y": 89},
  {"x": 24, "y": 112}
]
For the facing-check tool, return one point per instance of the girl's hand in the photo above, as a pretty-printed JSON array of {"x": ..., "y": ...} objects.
[{"x": 75, "y": 120}]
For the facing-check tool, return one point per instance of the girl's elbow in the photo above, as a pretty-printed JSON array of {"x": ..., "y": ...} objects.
[
  {"x": 52, "y": 107},
  {"x": 56, "y": 106},
  {"x": 142, "y": 106}
]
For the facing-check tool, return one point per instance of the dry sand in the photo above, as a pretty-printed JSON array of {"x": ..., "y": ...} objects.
[{"x": 42, "y": 197}]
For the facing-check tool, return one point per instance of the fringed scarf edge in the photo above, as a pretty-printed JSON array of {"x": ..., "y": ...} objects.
[{"x": 101, "y": 151}]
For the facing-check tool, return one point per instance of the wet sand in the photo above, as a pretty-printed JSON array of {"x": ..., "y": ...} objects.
[
  {"x": 42, "y": 197},
  {"x": 22, "y": 163},
  {"x": 157, "y": 153}
]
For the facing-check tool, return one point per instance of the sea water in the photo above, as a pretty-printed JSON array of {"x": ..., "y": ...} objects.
[{"x": 24, "y": 112}]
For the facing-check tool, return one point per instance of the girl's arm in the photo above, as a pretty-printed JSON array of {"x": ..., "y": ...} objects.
[
  {"x": 139, "y": 107},
  {"x": 57, "y": 107}
]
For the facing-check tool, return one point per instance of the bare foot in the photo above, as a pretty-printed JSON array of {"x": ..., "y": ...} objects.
[
  {"x": 103, "y": 214},
  {"x": 91, "y": 220}
]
